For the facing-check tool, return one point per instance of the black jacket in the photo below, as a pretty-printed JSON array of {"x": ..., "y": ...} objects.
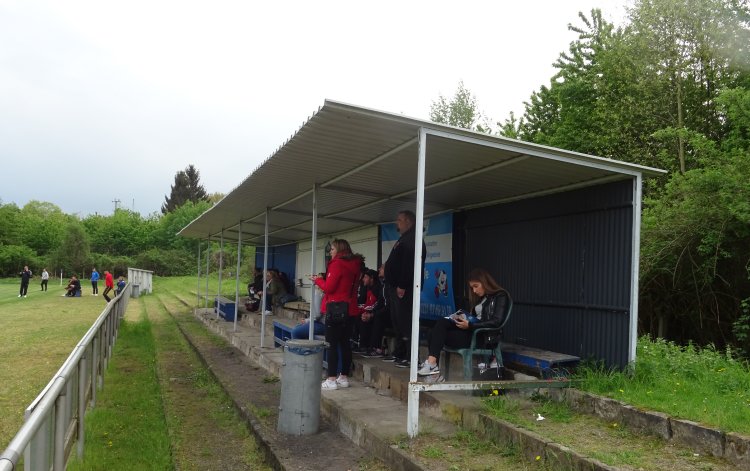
[
  {"x": 493, "y": 315},
  {"x": 25, "y": 276},
  {"x": 399, "y": 268}
]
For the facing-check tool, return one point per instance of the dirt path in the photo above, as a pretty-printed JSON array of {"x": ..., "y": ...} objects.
[{"x": 205, "y": 431}]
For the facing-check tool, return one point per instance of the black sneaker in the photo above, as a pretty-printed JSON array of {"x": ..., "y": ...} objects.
[
  {"x": 389, "y": 359},
  {"x": 402, "y": 363}
]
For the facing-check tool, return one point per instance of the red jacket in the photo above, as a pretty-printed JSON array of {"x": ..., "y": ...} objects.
[
  {"x": 108, "y": 281},
  {"x": 340, "y": 283}
]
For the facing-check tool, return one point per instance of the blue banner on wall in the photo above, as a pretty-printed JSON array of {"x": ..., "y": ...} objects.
[{"x": 437, "y": 293}]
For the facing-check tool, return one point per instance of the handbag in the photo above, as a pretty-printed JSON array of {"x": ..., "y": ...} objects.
[{"x": 336, "y": 312}]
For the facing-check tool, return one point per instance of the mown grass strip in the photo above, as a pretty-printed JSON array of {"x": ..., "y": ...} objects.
[
  {"x": 127, "y": 430},
  {"x": 37, "y": 333}
]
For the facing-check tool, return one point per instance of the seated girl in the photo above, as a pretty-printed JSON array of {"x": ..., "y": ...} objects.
[{"x": 489, "y": 300}]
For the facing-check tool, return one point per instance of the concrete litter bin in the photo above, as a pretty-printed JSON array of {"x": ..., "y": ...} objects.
[
  {"x": 135, "y": 291},
  {"x": 299, "y": 407}
]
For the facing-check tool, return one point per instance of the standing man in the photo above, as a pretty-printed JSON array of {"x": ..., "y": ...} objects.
[
  {"x": 25, "y": 277},
  {"x": 399, "y": 279},
  {"x": 45, "y": 279},
  {"x": 109, "y": 284},
  {"x": 95, "y": 281}
]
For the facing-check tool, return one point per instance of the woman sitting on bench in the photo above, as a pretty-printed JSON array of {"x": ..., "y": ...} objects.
[{"x": 489, "y": 301}]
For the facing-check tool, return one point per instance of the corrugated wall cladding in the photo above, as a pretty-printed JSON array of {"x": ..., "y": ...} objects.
[{"x": 566, "y": 260}]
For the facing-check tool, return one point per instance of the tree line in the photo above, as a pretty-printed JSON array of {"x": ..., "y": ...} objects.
[
  {"x": 668, "y": 89},
  {"x": 41, "y": 235}
]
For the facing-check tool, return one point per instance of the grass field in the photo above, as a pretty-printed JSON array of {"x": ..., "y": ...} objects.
[{"x": 37, "y": 333}]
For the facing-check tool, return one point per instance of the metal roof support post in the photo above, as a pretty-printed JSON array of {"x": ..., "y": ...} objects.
[
  {"x": 265, "y": 285},
  {"x": 208, "y": 258},
  {"x": 314, "y": 247},
  {"x": 635, "y": 266},
  {"x": 237, "y": 277},
  {"x": 412, "y": 420},
  {"x": 221, "y": 267},
  {"x": 198, "y": 288}
]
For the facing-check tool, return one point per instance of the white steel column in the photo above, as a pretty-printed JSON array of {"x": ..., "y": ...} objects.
[
  {"x": 221, "y": 267},
  {"x": 208, "y": 260},
  {"x": 412, "y": 420},
  {"x": 312, "y": 261},
  {"x": 265, "y": 286},
  {"x": 635, "y": 267},
  {"x": 237, "y": 277},
  {"x": 198, "y": 288}
]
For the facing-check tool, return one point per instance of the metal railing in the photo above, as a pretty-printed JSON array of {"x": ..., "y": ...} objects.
[{"x": 55, "y": 419}]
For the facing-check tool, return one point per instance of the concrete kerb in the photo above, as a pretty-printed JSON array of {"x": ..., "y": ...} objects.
[{"x": 733, "y": 447}]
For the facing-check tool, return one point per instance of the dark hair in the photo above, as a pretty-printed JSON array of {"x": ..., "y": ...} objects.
[
  {"x": 409, "y": 215},
  {"x": 482, "y": 276}
]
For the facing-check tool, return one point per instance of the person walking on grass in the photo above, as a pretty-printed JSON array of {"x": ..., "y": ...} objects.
[
  {"x": 109, "y": 284},
  {"x": 25, "y": 277},
  {"x": 45, "y": 279},
  {"x": 95, "y": 282}
]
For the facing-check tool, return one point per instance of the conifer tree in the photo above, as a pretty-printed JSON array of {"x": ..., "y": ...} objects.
[{"x": 186, "y": 188}]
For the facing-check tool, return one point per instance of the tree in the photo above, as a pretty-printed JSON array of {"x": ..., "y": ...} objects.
[
  {"x": 462, "y": 111},
  {"x": 186, "y": 188},
  {"x": 73, "y": 255}
]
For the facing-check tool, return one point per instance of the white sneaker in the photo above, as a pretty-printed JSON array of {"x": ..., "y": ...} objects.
[
  {"x": 428, "y": 369},
  {"x": 329, "y": 384},
  {"x": 342, "y": 381},
  {"x": 24, "y": 295},
  {"x": 19, "y": 295},
  {"x": 268, "y": 313}
]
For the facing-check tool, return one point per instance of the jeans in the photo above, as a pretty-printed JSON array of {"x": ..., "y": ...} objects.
[{"x": 339, "y": 336}]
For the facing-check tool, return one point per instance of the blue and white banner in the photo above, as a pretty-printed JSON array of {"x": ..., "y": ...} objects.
[{"x": 437, "y": 293}]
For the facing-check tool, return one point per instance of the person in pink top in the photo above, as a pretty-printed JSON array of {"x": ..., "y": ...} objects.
[{"x": 109, "y": 284}]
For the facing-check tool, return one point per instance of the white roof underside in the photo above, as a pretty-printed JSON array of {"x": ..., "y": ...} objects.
[{"x": 365, "y": 165}]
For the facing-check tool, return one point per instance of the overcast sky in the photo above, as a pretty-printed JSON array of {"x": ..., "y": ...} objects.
[{"x": 104, "y": 100}]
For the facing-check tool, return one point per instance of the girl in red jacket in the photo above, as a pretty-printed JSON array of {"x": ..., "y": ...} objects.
[{"x": 340, "y": 284}]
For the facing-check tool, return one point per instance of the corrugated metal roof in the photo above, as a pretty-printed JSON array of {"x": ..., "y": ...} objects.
[{"x": 365, "y": 165}]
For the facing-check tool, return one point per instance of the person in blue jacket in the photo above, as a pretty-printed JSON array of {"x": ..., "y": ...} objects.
[
  {"x": 120, "y": 285},
  {"x": 95, "y": 281}
]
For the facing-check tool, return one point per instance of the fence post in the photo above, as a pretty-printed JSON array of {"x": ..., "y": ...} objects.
[
  {"x": 81, "y": 403},
  {"x": 58, "y": 464}
]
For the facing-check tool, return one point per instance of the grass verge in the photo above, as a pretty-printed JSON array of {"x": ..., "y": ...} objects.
[{"x": 699, "y": 384}]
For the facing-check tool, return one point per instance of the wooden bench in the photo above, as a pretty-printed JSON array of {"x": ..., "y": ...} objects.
[{"x": 224, "y": 307}]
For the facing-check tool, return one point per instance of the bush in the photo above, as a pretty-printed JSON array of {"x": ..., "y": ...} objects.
[
  {"x": 14, "y": 257},
  {"x": 166, "y": 262}
]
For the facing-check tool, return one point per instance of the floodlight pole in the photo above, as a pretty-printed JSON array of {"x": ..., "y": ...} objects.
[
  {"x": 265, "y": 285},
  {"x": 312, "y": 260},
  {"x": 237, "y": 277},
  {"x": 412, "y": 419}
]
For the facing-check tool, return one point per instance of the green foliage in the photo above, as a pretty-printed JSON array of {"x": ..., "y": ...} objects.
[
  {"x": 73, "y": 255},
  {"x": 186, "y": 188},
  {"x": 14, "y": 257},
  {"x": 164, "y": 233},
  {"x": 166, "y": 262},
  {"x": 461, "y": 111},
  {"x": 700, "y": 384},
  {"x": 123, "y": 233}
]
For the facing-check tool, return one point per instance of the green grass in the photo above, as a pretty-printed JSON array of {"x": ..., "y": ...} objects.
[
  {"x": 127, "y": 429},
  {"x": 703, "y": 385},
  {"x": 37, "y": 334}
]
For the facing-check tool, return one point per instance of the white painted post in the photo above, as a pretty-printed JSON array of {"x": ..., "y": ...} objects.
[
  {"x": 221, "y": 268},
  {"x": 237, "y": 277},
  {"x": 265, "y": 288},
  {"x": 312, "y": 261},
  {"x": 208, "y": 259},
  {"x": 198, "y": 288},
  {"x": 635, "y": 267},
  {"x": 412, "y": 420}
]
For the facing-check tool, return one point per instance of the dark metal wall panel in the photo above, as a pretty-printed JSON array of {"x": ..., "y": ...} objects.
[{"x": 566, "y": 260}]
